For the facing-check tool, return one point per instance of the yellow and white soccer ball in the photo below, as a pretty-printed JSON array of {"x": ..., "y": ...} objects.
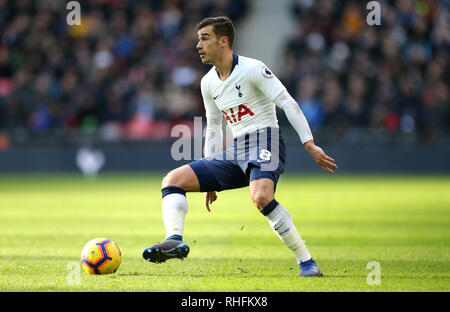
[{"x": 101, "y": 256}]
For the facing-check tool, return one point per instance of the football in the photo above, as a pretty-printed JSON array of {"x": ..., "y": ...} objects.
[{"x": 101, "y": 256}]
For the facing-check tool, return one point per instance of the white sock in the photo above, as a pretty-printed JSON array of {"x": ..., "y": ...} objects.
[
  {"x": 281, "y": 223},
  {"x": 174, "y": 209}
]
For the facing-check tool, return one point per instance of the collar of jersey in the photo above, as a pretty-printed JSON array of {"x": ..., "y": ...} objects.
[{"x": 235, "y": 62}]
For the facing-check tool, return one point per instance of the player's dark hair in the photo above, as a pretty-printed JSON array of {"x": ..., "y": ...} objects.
[{"x": 223, "y": 26}]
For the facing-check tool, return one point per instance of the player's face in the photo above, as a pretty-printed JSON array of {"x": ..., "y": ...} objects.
[{"x": 208, "y": 45}]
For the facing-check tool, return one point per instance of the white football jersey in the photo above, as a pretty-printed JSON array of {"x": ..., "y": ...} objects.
[{"x": 245, "y": 98}]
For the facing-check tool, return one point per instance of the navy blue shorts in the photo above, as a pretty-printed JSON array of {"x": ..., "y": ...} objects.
[{"x": 257, "y": 155}]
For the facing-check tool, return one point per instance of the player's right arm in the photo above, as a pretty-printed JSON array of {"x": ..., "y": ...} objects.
[{"x": 214, "y": 134}]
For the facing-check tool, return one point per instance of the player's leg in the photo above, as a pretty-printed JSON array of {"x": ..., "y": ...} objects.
[
  {"x": 262, "y": 194},
  {"x": 280, "y": 220},
  {"x": 174, "y": 209},
  {"x": 174, "y": 203},
  {"x": 203, "y": 175},
  {"x": 182, "y": 177}
]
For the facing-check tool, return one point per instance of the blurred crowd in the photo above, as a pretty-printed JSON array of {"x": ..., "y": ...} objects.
[
  {"x": 131, "y": 68},
  {"x": 390, "y": 79}
]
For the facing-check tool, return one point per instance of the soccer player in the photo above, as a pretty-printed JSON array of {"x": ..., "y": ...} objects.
[{"x": 244, "y": 92}]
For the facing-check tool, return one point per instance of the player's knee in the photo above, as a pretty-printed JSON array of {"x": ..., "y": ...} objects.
[
  {"x": 164, "y": 181},
  {"x": 261, "y": 199},
  {"x": 180, "y": 177},
  {"x": 170, "y": 179}
]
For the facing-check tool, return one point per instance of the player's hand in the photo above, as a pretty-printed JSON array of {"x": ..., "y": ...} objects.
[
  {"x": 210, "y": 197},
  {"x": 323, "y": 160}
]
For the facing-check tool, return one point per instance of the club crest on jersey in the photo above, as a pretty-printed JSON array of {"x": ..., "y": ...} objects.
[
  {"x": 238, "y": 87},
  {"x": 266, "y": 72},
  {"x": 230, "y": 114}
]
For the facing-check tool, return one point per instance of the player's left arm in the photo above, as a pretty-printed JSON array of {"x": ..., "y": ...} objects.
[
  {"x": 273, "y": 89},
  {"x": 300, "y": 124}
]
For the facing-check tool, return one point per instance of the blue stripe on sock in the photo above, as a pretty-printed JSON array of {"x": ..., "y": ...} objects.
[
  {"x": 172, "y": 190},
  {"x": 175, "y": 237},
  {"x": 270, "y": 207}
]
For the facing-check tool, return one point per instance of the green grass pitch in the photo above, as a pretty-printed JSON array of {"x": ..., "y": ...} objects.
[{"x": 347, "y": 221}]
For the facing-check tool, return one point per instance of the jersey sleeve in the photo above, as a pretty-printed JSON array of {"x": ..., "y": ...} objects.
[
  {"x": 211, "y": 109},
  {"x": 294, "y": 115},
  {"x": 214, "y": 135},
  {"x": 262, "y": 78}
]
